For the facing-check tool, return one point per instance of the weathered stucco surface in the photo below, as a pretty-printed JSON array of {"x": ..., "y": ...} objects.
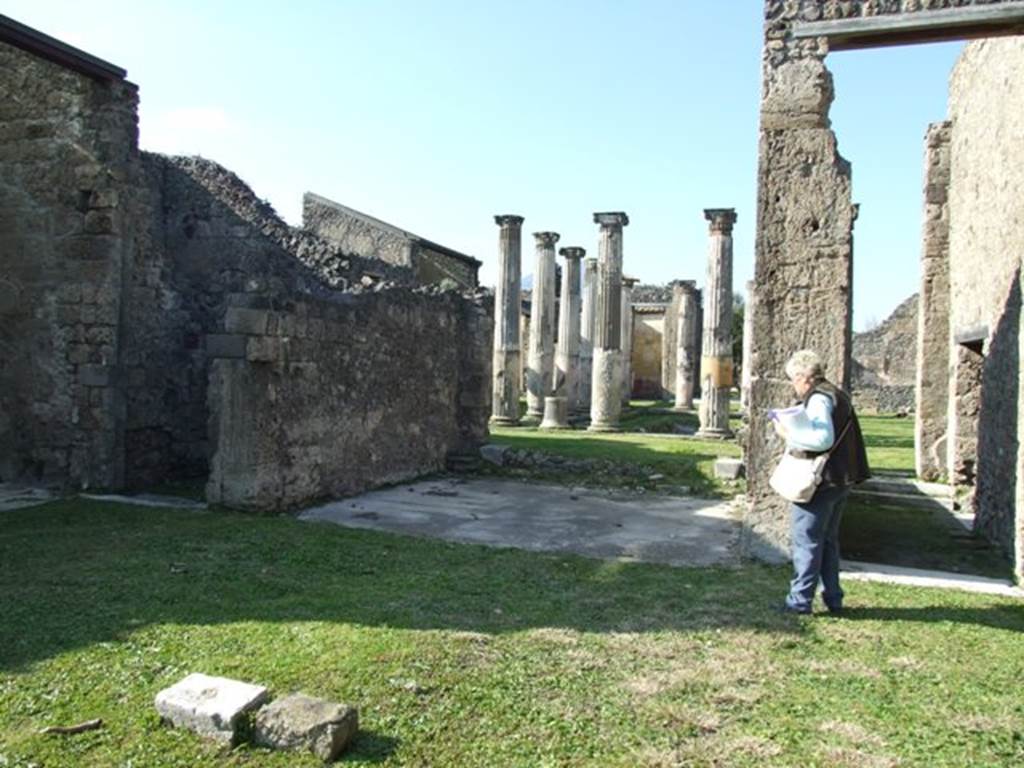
[
  {"x": 648, "y": 328},
  {"x": 986, "y": 202},
  {"x": 327, "y": 397}
]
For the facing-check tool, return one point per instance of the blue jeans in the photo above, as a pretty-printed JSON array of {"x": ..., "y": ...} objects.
[{"x": 814, "y": 537}]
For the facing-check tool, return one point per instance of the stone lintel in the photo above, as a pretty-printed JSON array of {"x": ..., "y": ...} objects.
[
  {"x": 546, "y": 239},
  {"x": 721, "y": 220},
  {"x": 916, "y": 26},
  {"x": 629, "y": 282},
  {"x": 572, "y": 252},
  {"x": 508, "y": 220},
  {"x": 611, "y": 219}
]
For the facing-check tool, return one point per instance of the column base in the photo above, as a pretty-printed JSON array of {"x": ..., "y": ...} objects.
[
  {"x": 682, "y": 408},
  {"x": 715, "y": 434},
  {"x": 503, "y": 421},
  {"x": 556, "y": 413}
]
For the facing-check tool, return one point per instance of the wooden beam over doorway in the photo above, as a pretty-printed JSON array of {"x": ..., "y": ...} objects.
[{"x": 999, "y": 20}]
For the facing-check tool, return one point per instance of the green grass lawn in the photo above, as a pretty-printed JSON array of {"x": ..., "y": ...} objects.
[
  {"x": 890, "y": 441},
  {"x": 459, "y": 655}
]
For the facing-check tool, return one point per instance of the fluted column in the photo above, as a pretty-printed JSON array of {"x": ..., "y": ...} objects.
[
  {"x": 587, "y": 335},
  {"x": 716, "y": 362},
  {"x": 747, "y": 374},
  {"x": 627, "y": 338},
  {"x": 606, "y": 380},
  {"x": 686, "y": 349},
  {"x": 541, "y": 353},
  {"x": 507, "y": 308},
  {"x": 565, "y": 387}
]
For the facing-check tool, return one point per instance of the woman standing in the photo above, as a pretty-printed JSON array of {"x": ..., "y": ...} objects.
[{"x": 814, "y": 525}]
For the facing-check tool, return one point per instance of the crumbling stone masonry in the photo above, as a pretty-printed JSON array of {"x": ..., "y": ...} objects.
[
  {"x": 123, "y": 275},
  {"x": 932, "y": 388},
  {"x": 986, "y": 245},
  {"x": 359, "y": 234},
  {"x": 805, "y": 217}
]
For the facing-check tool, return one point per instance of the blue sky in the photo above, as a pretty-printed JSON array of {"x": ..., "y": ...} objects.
[{"x": 435, "y": 115}]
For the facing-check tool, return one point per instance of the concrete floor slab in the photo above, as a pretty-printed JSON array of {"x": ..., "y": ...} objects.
[
  {"x": 15, "y": 496},
  {"x": 549, "y": 518}
]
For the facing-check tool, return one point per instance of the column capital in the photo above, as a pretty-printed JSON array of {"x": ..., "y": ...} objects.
[
  {"x": 508, "y": 220},
  {"x": 721, "y": 219},
  {"x": 611, "y": 219},
  {"x": 590, "y": 263},
  {"x": 546, "y": 239},
  {"x": 629, "y": 282},
  {"x": 572, "y": 252}
]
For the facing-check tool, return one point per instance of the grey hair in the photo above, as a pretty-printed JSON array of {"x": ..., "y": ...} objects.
[{"x": 807, "y": 363}]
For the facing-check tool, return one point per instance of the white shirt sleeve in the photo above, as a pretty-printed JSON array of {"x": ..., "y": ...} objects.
[{"x": 818, "y": 435}]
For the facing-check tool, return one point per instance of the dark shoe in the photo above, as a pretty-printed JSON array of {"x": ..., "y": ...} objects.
[
  {"x": 835, "y": 610},
  {"x": 787, "y": 608}
]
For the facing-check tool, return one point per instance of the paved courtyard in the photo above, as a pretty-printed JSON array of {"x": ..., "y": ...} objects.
[{"x": 548, "y": 518}]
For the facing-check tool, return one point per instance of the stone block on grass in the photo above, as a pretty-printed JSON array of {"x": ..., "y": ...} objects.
[
  {"x": 211, "y": 706},
  {"x": 302, "y": 722},
  {"x": 728, "y": 469}
]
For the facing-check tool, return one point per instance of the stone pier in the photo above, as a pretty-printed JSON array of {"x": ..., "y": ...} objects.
[
  {"x": 606, "y": 381},
  {"x": 747, "y": 373},
  {"x": 686, "y": 348},
  {"x": 716, "y": 362},
  {"x": 507, "y": 309},
  {"x": 541, "y": 354},
  {"x": 567, "y": 351},
  {"x": 587, "y": 336},
  {"x": 932, "y": 392},
  {"x": 627, "y": 338}
]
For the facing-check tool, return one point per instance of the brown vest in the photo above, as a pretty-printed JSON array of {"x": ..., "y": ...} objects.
[{"x": 848, "y": 463}]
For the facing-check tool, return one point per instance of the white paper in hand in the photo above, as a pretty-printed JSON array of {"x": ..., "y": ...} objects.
[{"x": 791, "y": 419}]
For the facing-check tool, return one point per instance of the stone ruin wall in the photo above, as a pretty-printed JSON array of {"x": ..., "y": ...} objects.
[
  {"x": 116, "y": 276},
  {"x": 986, "y": 200},
  {"x": 355, "y": 234},
  {"x": 328, "y": 397},
  {"x": 67, "y": 149},
  {"x": 646, "y": 358},
  {"x": 884, "y": 367}
]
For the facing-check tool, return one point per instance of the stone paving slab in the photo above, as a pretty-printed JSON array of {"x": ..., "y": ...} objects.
[
  {"x": 549, "y": 518},
  {"x": 918, "y": 577},
  {"x": 15, "y": 496}
]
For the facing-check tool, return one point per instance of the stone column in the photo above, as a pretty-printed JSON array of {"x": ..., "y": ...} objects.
[
  {"x": 541, "y": 357},
  {"x": 932, "y": 390},
  {"x": 587, "y": 335},
  {"x": 747, "y": 374},
  {"x": 627, "y": 338},
  {"x": 606, "y": 381},
  {"x": 567, "y": 351},
  {"x": 716, "y": 363},
  {"x": 507, "y": 305},
  {"x": 686, "y": 349}
]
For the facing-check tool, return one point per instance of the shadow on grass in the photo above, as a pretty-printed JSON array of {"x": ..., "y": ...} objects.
[
  {"x": 1009, "y": 617},
  {"x": 74, "y": 573},
  {"x": 917, "y": 538}
]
